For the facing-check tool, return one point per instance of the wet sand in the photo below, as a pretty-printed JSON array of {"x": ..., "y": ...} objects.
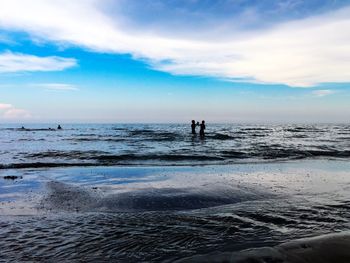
[
  {"x": 322, "y": 249},
  {"x": 186, "y": 213}
]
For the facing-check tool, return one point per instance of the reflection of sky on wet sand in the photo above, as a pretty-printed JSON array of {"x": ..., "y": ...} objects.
[
  {"x": 11, "y": 189},
  {"x": 170, "y": 212},
  {"x": 317, "y": 180}
]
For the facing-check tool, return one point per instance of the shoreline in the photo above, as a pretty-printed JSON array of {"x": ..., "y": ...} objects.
[{"x": 40, "y": 165}]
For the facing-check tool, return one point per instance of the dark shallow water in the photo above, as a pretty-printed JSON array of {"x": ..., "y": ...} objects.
[
  {"x": 172, "y": 144},
  {"x": 138, "y": 214},
  {"x": 159, "y": 236}
]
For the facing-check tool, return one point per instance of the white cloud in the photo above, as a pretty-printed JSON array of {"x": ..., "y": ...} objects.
[
  {"x": 16, "y": 114},
  {"x": 17, "y": 62},
  {"x": 8, "y": 111},
  {"x": 323, "y": 92},
  {"x": 298, "y": 53},
  {"x": 56, "y": 86},
  {"x": 5, "y": 106}
]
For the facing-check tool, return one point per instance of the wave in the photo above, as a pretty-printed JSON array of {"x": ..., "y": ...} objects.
[
  {"x": 159, "y": 157},
  {"x": 220, "y": 136},
  {"x": 26, "y": 129},
  {"x": 94, "y": 139},
  {"x": 96, "y": 158},
  {"x": 235, "y": 154},
  {"x": 141, "y": 132},
  {"x": 66, "y": 154},
  {"x": 256, "y": 129},
  {"x": 31, "y": 140},
  {"x": 43, "y": 165},
  {"x": 304, "y": 129}
]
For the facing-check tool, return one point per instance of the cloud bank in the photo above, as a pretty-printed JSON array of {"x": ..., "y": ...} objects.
[
  {"x": 17, "y": 62},
  {"x": 299, "y": 53},
  {"x": 8, "y": 112},
  {"x": 5, "y": 106}
]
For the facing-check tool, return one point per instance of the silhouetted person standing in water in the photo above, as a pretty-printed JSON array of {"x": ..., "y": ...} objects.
[
  {"x": 193, "y": 126},
  {"x": 202, "y": 128},
  {"x": 59, "y": 127}
]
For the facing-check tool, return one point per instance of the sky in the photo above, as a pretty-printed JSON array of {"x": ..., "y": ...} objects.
[{"x": 165, "y": 61}]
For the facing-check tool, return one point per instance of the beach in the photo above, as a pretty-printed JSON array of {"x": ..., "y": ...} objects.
[
  {"x": 175, "y": 131},
  {"x": 168, "y": 213}
]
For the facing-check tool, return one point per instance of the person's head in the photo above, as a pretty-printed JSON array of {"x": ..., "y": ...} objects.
[
  {"x": 193, "y": 122},
  {"x": 203, "y": 121}
]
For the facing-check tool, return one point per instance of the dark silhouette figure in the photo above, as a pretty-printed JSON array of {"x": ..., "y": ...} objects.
[
  {"x": 22, "y": 128},
  {"x": 193, "y": 127},
  {"x": 59, "y": 127},
  {"x": 202, "y": 128}
]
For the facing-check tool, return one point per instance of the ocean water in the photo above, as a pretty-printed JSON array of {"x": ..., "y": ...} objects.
[
  {"x": 167, "y": 144},
  {"x": 155, "y": 193}
]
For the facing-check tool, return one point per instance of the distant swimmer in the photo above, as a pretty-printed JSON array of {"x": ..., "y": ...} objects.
[
  {"x": 202, "y": 128},
  {"x": 193, "y": 126},
  {"x": 59, "y": 127}
]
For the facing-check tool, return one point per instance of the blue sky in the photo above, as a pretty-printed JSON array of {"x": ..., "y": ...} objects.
[{"x": 174, "y": 60}]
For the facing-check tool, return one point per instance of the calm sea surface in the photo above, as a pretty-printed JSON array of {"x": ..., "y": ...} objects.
[{"x": 172, "y": 144}]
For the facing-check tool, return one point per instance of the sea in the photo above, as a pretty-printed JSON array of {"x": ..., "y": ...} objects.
[
  {"x": 157, "y": 193},
  {"x": 43, "y": 145}
]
